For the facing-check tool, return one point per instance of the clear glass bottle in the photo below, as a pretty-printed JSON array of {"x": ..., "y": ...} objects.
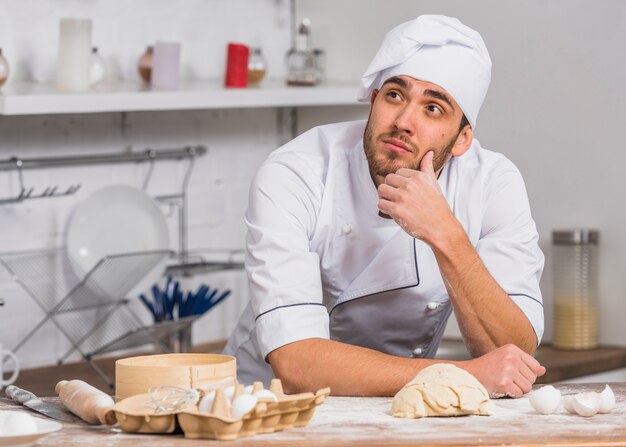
[
  {"x": 98, "y": 68},
  {"x": 144, "y": 65},
  {"x": 575, "y": 255},
  {"x": 320, "y": 64},
  {"x": 4, "y": 69},
  {"x": 256, "y": 67},
  {"x": 301, "y": 64}
]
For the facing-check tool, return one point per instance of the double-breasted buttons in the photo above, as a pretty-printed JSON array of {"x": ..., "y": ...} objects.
[{"x": 433, "y": 305}]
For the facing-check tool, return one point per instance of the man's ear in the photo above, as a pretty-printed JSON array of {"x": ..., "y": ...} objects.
[
  {"x": 463, "y": 141},
  {"x": 373, "y": 96}
]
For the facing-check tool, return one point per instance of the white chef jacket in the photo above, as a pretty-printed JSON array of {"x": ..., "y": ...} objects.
[{"x": 322, "y": 263}]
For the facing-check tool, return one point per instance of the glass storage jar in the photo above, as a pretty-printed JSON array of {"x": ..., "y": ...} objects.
[
  {"x": 256, "y": 67},
  {"x": 575, "y": 289}
]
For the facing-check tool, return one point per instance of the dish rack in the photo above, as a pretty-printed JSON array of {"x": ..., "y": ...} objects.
[
  {"x": 188, "y": 263},
  {"x": 66, "y": 300}
]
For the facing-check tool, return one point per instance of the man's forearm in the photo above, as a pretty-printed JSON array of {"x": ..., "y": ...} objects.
[
  {"x": 487, "y": 316},
  {"x": 348, "y": 370}
]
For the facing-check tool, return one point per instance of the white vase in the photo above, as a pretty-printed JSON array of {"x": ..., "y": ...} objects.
[{"x": 74, "y": 58}]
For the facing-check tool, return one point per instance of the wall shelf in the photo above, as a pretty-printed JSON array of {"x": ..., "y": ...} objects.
[{"x": 44, "y": 99}]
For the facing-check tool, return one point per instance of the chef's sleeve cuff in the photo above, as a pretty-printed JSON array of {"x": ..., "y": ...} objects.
[
  {"x": 290, "y": 323},
  {"x": 533, "y": 309}
]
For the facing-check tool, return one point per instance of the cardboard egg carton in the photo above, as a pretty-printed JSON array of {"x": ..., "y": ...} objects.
[
  {"x": 145, "y": 413},
  {"x": 268, "y": 415},
  {"x": 274, "y": 411}
]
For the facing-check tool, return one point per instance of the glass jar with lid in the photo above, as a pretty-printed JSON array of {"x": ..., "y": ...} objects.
[
  {"x": 256, "y": 67},
  {"x": 575, "y": 255},
  {"x": 301, "y": 63}
]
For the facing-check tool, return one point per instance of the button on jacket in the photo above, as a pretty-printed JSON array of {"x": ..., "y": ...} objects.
[{"x": 322, "y": 263}]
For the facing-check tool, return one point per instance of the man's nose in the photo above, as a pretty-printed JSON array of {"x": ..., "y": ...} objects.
[{"x": 405, "y": 121}]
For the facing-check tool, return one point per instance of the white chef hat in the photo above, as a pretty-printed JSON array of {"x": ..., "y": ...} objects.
[{"x": 435, "y": 49}]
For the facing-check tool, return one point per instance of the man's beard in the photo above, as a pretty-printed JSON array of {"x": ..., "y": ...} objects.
[{"x": 380, "y": 167}]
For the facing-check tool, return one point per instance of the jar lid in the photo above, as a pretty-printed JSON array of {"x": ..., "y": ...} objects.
[{"x": 575, "y": 237}]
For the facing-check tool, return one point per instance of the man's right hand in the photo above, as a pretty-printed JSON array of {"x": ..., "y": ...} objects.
[{"x": 505, "y": 372}]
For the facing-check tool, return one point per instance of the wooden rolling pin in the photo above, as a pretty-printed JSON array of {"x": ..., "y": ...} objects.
[{"x": 89, "y": 403}]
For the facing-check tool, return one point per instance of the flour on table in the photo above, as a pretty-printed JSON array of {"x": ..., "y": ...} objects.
[{"x": 441, "y": 390}]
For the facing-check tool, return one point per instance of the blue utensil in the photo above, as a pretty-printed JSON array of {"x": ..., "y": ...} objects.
[
  {"x": 214, "y": 303},
  {"x": 167, "y": 298},
  {"x": 179, "y": 304},
  {"x": 206, "y": 303},
  {"x": 149, "y": 305},
  {"x": 170, "y": 295},
  {"x": 188, "y": 304},
  {"x": 158, "y": 302},
  {"x": 174, "y": 298},
  {"x": 199, "y": 299}
]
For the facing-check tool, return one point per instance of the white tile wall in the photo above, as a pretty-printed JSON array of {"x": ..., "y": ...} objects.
[{"x": 238, "y": 141}]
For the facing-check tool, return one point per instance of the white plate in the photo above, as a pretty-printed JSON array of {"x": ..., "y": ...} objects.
[
  {"x": 44, "y": 427},
  {"x": 114, "y": 220}
]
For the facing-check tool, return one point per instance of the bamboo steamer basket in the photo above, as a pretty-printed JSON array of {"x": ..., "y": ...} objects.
[{"x": 136, "y": 375}]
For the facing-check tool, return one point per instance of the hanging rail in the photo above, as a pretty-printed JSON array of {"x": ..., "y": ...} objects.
[{"x": 17, "y": 163}]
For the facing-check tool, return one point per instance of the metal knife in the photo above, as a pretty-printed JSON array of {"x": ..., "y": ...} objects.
[{"x": 31, "y": 401}]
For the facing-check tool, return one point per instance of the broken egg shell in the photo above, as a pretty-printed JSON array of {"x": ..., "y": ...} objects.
[
  {"x": 568, "y": 404},
  {"x": 546, "y": 399},
  {"x": 587, "y": 404},
  {"x": 242, "y": 405},
  {"x": 608, "y": 400},
  {"x": 248, "y": 389}
]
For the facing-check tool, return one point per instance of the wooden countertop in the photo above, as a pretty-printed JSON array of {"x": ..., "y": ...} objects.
[
  {"x": 562, "y": 365},
  {"x": 346, "y": 421}
]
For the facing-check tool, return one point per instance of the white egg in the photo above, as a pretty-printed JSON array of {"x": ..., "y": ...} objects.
[
  {"x": 229, "y": 391},
  {"x": 568, "y": 404},
  {"x": 242, "y": 405},
  {"x": 608, "y": 400},
  {"x": 587, "y": 404},
  {"x": 207, "y": 402},
  {"x": 546, "y": 399},
  {"x": 17, "y": 424},
  {"x": 266, "y": 394}
]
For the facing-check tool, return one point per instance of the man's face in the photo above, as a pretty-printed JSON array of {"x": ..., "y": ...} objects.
[{"x": 407, "y": 119}]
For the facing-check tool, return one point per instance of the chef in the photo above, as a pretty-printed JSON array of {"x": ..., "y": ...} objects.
[{"x": 363, "y": 237}]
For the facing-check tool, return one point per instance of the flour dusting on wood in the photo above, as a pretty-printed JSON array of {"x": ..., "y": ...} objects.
[{"x": 368, "y": 419}]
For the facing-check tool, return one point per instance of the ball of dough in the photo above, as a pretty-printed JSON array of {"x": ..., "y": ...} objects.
[
  {"x": 441, "y": 389},
  {"x": 17, "y": 424}
]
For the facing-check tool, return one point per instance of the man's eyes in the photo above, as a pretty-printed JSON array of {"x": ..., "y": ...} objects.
[
  {"x": 434, "y": 108},
  {"x": 393, "y": 94}
]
